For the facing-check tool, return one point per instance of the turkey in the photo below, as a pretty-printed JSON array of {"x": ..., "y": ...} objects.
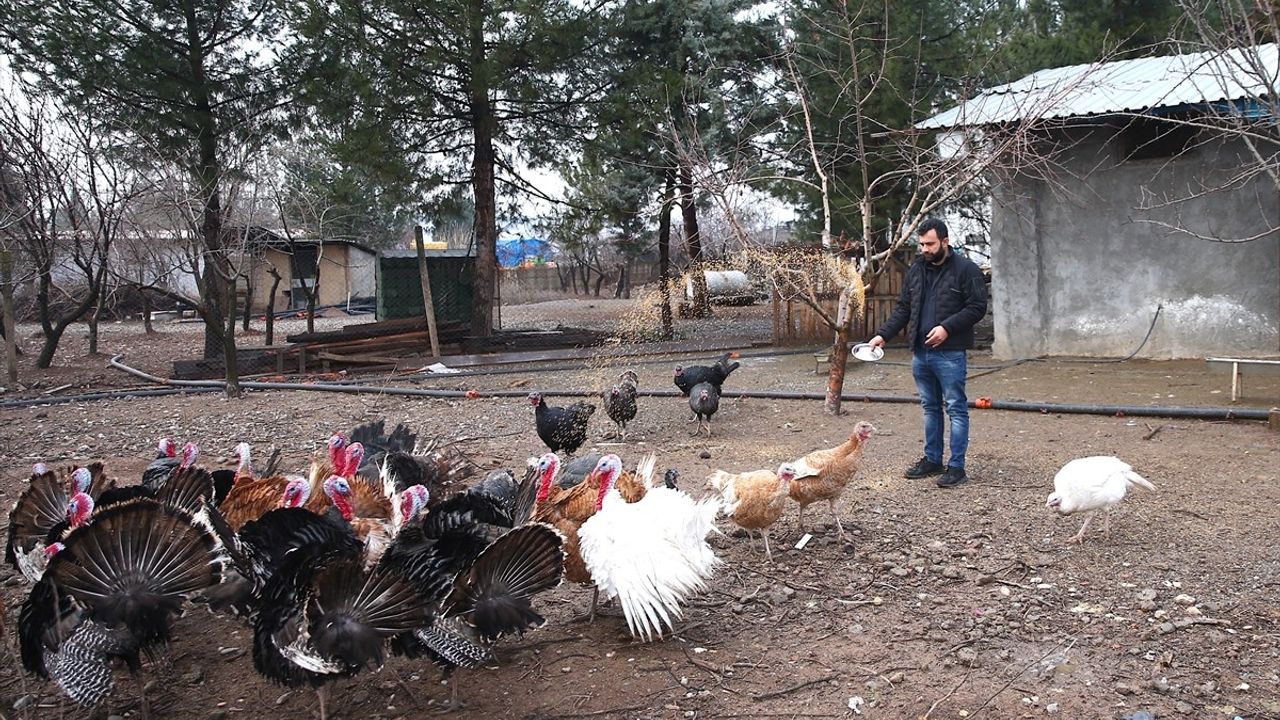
[
  {"x": 620, "y": 401},
  {"x": 1091, "y": 484},
  {"x": 402, "y": 460},
  {"x": 111, "y": 593},
  {"x": 157, "y": 473},
  {"x": 480, "y": 561},
  {"x": 561, "y": 428},
  {"x": 258, "y": 551},
  {"x": 651, "y": 554},
  {"x": 704, "y": 401},
  {"x": 44, "y": 512}
]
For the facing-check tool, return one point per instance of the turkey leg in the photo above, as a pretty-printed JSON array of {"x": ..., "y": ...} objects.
[
  {"x": 1079, "y": 537},
  {"x": 767, "y": 552}
]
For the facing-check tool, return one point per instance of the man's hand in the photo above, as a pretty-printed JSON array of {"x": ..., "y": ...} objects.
[
  {"x": 876, "y": 341},
  {"x": 936, "y": 336}
]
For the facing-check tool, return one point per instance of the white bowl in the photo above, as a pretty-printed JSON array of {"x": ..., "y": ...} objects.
[{"x": 867, "y": 352}]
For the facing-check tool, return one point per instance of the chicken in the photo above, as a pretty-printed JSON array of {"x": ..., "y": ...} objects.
[
  {"x": 112, "y": 593},
  {"x": 620, "y": 401},
  {"x": 704, "y": 401},
  {"x": 1090, "y": 484},
  {"x": 754, "y": 500},
  {"x": 823, "y": 474},
  {"x": 561, "y": 428},
  {"x": 651, "y": 554},
  {"x": 686, "y": 377}
]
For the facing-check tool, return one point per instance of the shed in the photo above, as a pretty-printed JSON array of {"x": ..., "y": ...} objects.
[
  {"x": 1147, "y": 238},
  {"x": 345, "y": 271},
  {"x": 452, "y": 274}
]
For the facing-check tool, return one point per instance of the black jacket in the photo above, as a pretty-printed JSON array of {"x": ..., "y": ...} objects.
[{"x": 961, "y": 293}]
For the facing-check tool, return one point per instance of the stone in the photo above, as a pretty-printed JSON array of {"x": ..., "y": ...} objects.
[
  {"x": 899, "y": 572},
  {"x": 194, "y": 677},
  {"x": 1146, "y": 595},
  {"x": 1184, "y": 599},
  {"x": 705, "y": 454},
  {"x": 24, "y": 702},
  {"x": 968, "y": 656},
  {"x": 952, "y": 572}
]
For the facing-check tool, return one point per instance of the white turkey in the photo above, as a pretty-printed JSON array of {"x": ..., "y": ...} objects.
[
  {"x": 1091, "y": 484},
  {"x": 651, "y": 554}
]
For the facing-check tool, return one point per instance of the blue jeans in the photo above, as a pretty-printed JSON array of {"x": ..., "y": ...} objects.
[{"x": 940, "y": 376}]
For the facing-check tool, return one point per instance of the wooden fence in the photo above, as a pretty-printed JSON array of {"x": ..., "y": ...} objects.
[{"x": 795, "y": 323}]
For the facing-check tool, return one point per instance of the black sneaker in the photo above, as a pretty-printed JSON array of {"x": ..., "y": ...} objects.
[
  {"x": 952, "y": 477},
  {"x": 922, "y": 469}
]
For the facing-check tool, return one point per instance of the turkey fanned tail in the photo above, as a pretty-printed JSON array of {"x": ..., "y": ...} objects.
[
  {"x": 493, "y": 594},
  {"x": 111, "y": 593}
]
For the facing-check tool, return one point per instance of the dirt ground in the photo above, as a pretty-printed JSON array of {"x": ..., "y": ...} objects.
[{"x": 945, "y": 604}]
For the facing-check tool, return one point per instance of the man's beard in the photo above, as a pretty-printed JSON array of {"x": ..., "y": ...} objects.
[{"x": 933, "y": 257}]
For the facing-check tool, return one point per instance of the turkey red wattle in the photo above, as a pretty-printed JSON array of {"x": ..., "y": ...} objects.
[
  {"x": 167, "y": 448},
  {"x": 548, "y": 465},
  {"x": 79, "y": 509},
  {"x": 190, "y": 452},
  {"x": 339, "y": 493},
  {"x": 296, "y": 493},
  {"x": 354, "y": 455}
]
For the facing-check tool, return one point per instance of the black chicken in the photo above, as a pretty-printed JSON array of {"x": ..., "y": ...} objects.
[
  {"x": 620, "y": 402},
  {"x": 561, "y": 428},
  {"x": 111, "y": 592},
  {"x": 687, "y": 377},
  {"x": 704, "y": 401}
]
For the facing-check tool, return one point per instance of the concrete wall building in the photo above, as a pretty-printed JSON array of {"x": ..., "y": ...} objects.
[{"x": 1146, "y": 207}]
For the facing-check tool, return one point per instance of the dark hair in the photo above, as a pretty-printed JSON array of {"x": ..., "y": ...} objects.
[{"x": 933, "y": 224}]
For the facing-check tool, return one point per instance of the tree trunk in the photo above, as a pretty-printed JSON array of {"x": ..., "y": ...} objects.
[
  {"x": 622, "y": 280},
  {"x": 248, "y": 300},
  {"x": 7, "y": 321},
  {"x": 484, "y": 127},
  {"x": 271, "y": 306},
  {"x": 52, "y": 328},
  {"x": 95, "y": 318},
  {"x": 835, "y": 378},
  {"x": 600, "y": 278},
  {"x": 693, "y": 238},
  {"x": 845, "y": 317},
  {"x": 146, "y": 312},
  {"x": 664, "y": 255}
]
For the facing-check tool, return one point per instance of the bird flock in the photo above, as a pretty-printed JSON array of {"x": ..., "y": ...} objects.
[{"x": 385, "y": 546}]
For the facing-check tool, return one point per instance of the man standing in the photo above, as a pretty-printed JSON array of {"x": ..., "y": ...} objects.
[{"x": 943, "y": 297}]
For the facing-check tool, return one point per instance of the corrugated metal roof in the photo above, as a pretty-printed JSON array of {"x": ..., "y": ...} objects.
[
  {"x": 402, "y": 253},
  {"x": 1121, "y": 86}
]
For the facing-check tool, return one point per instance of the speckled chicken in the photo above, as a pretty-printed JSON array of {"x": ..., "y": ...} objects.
[
  {"x": 754, "y": 500},
  {"x": 823, "y": 474},
  {"x": 620, "y": 401}
]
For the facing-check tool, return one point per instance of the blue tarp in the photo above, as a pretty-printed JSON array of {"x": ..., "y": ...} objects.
[{"x": 513, "y": 252}]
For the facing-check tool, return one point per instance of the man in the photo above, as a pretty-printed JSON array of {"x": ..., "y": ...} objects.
[{"x": 943, "y": 297}]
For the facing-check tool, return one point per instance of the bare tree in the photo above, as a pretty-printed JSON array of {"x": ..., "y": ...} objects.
[
  {"x": 73, "y": 192},
  {"x": 922, "y": 171}
]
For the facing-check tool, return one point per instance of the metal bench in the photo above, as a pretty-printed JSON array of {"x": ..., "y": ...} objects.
[{"x": 1239, "y": 366}]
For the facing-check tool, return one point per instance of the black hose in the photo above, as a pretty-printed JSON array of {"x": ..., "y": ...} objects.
[
  {"x": 1208, "y": 413},
  {"x": 104, "y": 395}
]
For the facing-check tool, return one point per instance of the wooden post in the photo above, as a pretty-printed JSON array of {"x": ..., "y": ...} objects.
[
  {"x": 428, "y": 305},
  {"x": 10, "y": 332},
  {"x": 1273, "y": 419}
]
